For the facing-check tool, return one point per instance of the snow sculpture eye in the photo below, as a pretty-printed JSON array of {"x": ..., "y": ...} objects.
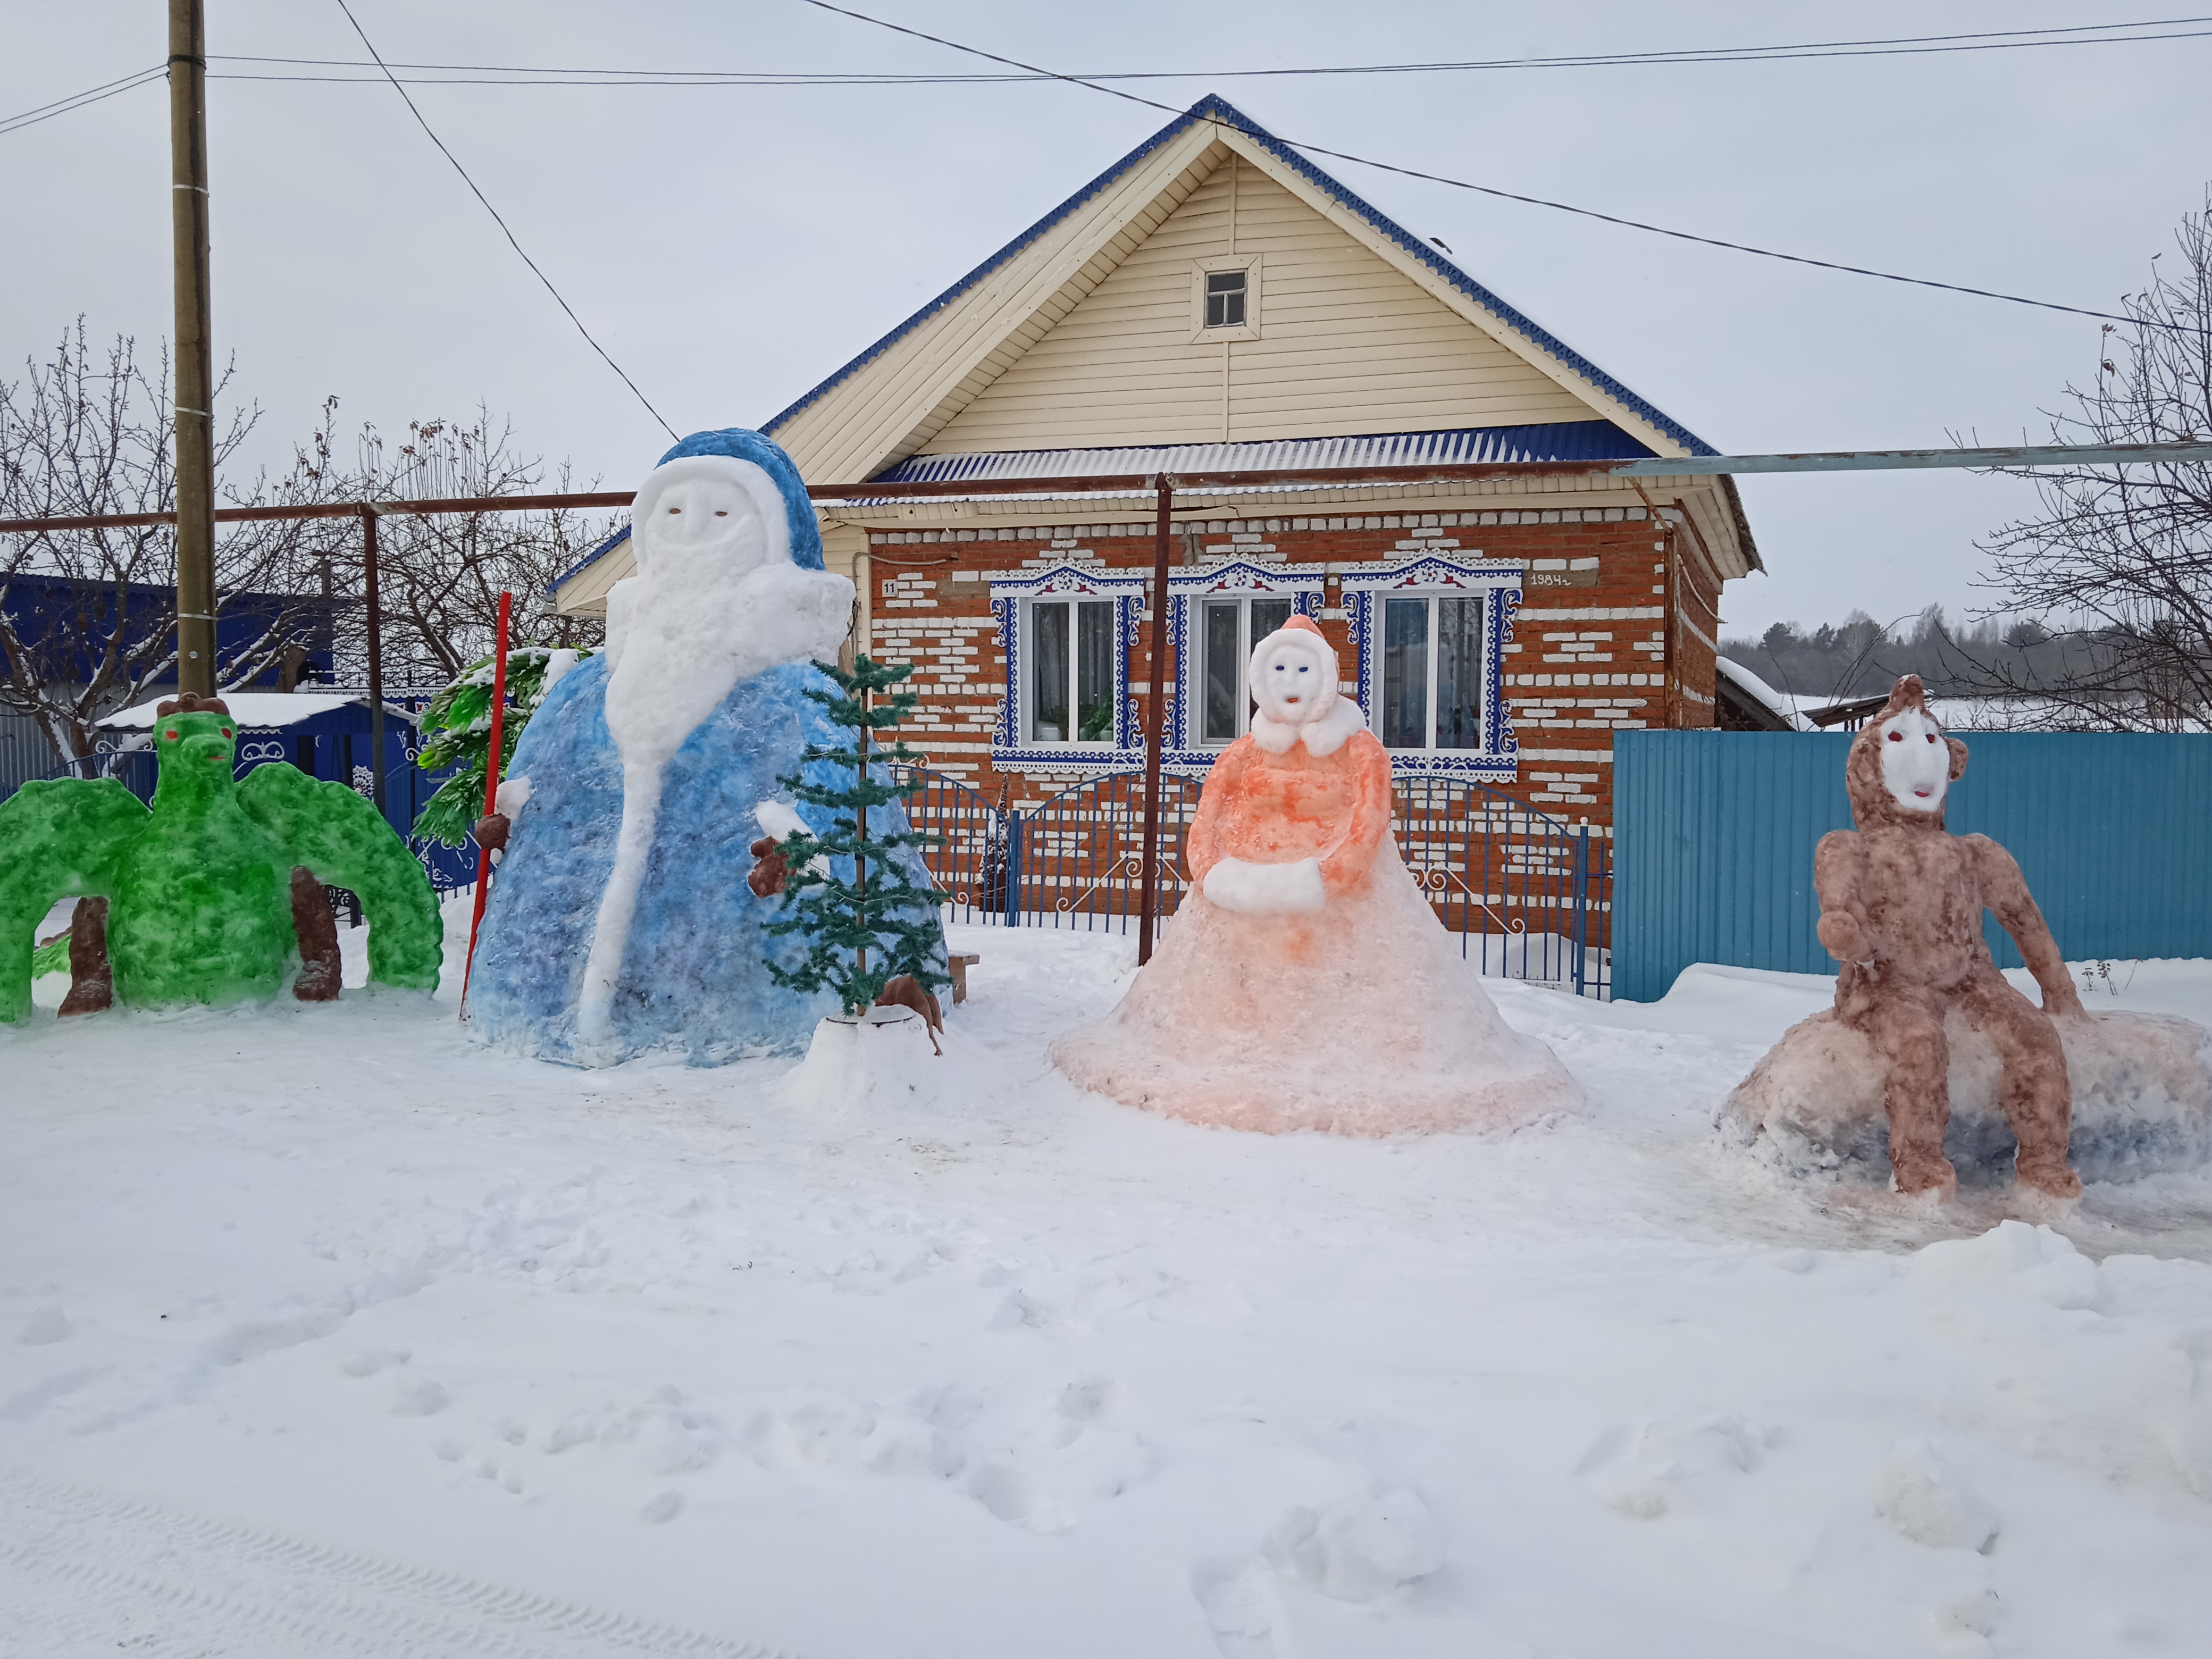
[
  {"x": 674, "y": 510},
  {"x": 1897, "y": 736},
  {"x": 1932, "y": 737},
  {"x": 171, "y": 735},
  {"x": 226, "y": 731}
]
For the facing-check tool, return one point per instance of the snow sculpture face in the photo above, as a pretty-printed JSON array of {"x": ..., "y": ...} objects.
[
  {"x": 708, "y": 520},
  {"x": 1293, "y": 677},
  {"x": 1915, "y": 761}
]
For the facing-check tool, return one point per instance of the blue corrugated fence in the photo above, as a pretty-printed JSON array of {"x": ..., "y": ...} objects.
[{"x": 1714, "y": 834}]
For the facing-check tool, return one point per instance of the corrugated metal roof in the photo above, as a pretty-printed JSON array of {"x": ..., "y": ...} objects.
[
  {"x": 1558, "y": 441},
  {"x": 1212, "y": 107}
]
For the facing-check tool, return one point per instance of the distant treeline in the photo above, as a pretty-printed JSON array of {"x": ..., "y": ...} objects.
[{"x": 1862, "y": 657}]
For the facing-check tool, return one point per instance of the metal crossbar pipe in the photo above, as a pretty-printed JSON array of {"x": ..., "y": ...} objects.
[{"x": 1188, "y": 483}]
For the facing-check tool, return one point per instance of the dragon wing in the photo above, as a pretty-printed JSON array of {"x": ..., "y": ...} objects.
[{"x": 58, "y": 836}]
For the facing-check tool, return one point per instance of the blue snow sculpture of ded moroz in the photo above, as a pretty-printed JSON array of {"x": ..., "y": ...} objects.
[{"x": 620, "y": 921}]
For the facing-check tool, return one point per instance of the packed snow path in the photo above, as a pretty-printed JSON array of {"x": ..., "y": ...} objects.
[{"x": 321, "y": 1329}]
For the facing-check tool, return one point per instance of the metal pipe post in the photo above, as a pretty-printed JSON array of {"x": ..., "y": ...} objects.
[
  {"x": 1155, "y": 722},
  {"x": 195, "y": 405},
  {"x": 375, "y": 621}
]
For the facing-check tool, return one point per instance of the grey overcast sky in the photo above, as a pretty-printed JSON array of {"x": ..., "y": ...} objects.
[{"x": 731, "y": 246}]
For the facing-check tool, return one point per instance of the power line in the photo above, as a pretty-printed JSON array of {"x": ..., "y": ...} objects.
[
  {"x": 31, "y": 118},
  {"x": 1514, "y": 196},
  {"x": 501, "y": 223},
  {"x": 2081, "y": 34}
]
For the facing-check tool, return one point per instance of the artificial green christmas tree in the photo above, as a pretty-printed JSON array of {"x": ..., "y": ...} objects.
[
  {"x": 457, "y": 727},
  {"x": 860, "y": 932}
]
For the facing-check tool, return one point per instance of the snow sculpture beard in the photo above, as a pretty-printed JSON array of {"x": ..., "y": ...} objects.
[
  {"x": 1915, "y": 762},
  {"x": 1292, "y": 676},
  {"x": 716, "y": 599}
]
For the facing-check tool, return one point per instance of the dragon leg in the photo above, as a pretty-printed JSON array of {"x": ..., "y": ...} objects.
[
  {"x": 58, "y": 836},
  {"x": 345, "y": 842},
  {"x": 92, "y": 976},
  {"x": 319, "y": 972}
]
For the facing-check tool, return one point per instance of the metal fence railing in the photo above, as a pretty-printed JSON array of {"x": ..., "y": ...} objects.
[{"x": 1529, "y": 897}]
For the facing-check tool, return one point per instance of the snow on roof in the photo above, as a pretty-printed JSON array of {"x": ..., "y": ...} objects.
[
  {"x": 1784, "y": 709},
  {"x": 256, "y": 711},
  {"x": 1218, "y": 109}
]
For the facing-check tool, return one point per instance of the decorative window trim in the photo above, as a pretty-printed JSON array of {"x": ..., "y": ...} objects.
[
  {"x": 1499, "y": 759},
  {"x": 1009, "y": 751},
  {"x": 1303, "y": 583},
  {"x": 1252, "y": 264}
]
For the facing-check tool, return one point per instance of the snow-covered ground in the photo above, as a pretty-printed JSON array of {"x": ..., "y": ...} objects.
[{"x": 323, "y": 1332}]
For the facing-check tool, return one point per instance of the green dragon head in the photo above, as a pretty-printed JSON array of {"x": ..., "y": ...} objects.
[{"x": 195, "y": 743}]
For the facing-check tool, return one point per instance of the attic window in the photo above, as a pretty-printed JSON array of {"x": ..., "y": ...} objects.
[{"x": 1224, "y": 299}]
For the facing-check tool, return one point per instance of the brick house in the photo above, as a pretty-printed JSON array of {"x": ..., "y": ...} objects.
[{"x": 1215, "y": 302}]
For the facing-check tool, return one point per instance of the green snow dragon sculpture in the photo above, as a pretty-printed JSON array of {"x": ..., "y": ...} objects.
[{"x": 212, "y": 890}]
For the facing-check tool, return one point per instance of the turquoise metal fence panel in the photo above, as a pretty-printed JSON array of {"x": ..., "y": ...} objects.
[{"x": 1714, "y": 834}]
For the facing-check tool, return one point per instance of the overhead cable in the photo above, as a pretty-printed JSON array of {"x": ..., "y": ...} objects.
[
  {"x": 31, "y": 118},
  {"x": 1514, "y": 196},
  {"x": 2079, "y": 34},
  {"x": 501, "y": 223}
]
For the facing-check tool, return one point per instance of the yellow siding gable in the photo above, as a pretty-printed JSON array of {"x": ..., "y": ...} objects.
[{"x": 1346, "y": 343}]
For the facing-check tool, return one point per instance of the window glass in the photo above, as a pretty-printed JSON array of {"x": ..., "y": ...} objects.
[
  {"x": 1267, "y": 616},
  {"x": 1224, "y": 670},
  {"x": 1049, "y": 673},
  {"x": 1459, "y": 673},
  {"x": 1224, "y": 299},
  {"x": 1094, "y": 671},
  {"x": 1406, "y": 673}
]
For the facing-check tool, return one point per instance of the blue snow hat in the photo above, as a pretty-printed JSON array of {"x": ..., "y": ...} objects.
[{"x": 742, "y": 444}]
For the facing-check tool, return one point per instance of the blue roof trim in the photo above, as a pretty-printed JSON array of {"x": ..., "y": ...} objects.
[
  {"x": 1214, "y": 107},
  {"x": 590, "y": 559}
]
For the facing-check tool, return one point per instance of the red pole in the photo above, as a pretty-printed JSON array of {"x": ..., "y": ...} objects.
[
  {"x": 492, "y": 787},
  {"x": 1155, "y": 720}
]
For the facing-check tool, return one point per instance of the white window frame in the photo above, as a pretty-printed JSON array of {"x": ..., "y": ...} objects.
[
  {"x": 1245, "y": 641},
  {"x": 1254, "y": 266},
  {"x": 1366, "y": 589},
  {"x": 1071, "y": 602},
  {"x": 1189, "y": 590},
  {"x": 1435, "y": 658},
  {"x": 1014, "y": 597}
]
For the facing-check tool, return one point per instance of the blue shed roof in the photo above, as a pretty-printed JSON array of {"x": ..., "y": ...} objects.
[{"x": 1215, "y": 108}]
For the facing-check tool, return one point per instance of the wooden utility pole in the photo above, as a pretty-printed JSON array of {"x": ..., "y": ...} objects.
[{"x": 195, "y": 407}]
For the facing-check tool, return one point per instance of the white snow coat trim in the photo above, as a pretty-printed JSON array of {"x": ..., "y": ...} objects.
[
  {"x": 716, "y": 599},
  {"x": 1324, "y": 736},
  {"x": 1266, "y": 890}
]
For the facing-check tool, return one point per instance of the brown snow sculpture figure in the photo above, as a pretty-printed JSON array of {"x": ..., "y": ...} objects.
[{"x": 1901, "y": 902}]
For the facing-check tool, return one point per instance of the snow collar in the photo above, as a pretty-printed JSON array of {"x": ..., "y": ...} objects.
[{"x": 1322, "y": 737}]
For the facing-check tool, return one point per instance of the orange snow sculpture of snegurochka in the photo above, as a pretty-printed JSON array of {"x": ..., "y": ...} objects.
[{"x": 1305, "y": 983}]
